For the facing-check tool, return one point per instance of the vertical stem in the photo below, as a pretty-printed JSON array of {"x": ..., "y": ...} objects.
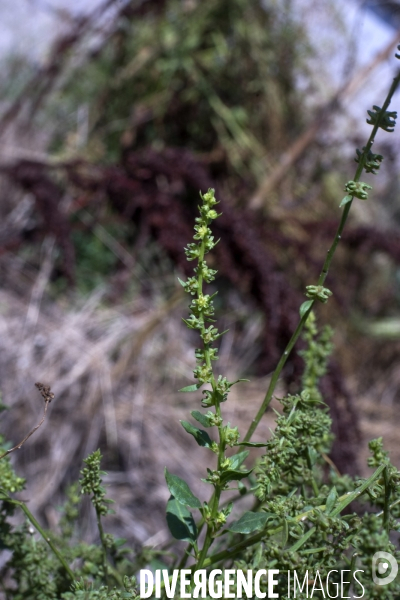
[
  {"x": 352, "y": 569},
  {"x": 108, "y": 568},
  {"x": 325, "y": 268},
  {"x": 386, "y": 508},
  {"x": 221, "y": 446},
  {"x": 102, "y": 540}
]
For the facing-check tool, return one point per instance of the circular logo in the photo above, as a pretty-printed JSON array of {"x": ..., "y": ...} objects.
[{"x": 384, "y": 568}]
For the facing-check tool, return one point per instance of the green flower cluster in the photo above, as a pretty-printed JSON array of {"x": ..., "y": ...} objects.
[
  {"x": 385, "y": 118},
  {"x": 303, "y": 431},
  {"x": 84, "y": 591},
  {"x": 91, "y": 482},
  {"x": 228, "y": 469},
  {"x": 318, "y": 350},
  {"x": 318, "y": 292},
  {"x": 372, "y": 161},
  {"x": 9, "y": 481},
  {"x": 358, "y": 189},
  {"x": 202, "y": 307}
]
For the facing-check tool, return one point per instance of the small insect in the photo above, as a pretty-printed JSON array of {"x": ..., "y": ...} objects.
[{"x": 45, "y": 391}]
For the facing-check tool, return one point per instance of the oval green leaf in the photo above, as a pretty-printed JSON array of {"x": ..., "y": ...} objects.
[
  {"x": 345, "y": 200},
  {"x": 201, "y": 437},
  {"x": 201, "y": 418},
  {"x": 231, "y": 475},
  {"x": 180, "y": 522},
  {"x": 237, "y": 459},
  {"x": 250, "y": 522},
  {"x": 304, "y": 307},
  {"x": 181, "y": 491},
  {"x": 331, "y": 500},
  {"x": 191, "y": 388}
]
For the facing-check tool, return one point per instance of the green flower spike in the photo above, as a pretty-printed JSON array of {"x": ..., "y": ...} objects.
[{"x": 318, "y": 292}]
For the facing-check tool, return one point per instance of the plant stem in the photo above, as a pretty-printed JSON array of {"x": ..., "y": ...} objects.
[
  {"x": 352, "y": 569},
  {"x": 221, "y": 446},
  {"x": 102, "y": 540},
  {"x": 325, "y": 268},
  {"x": 276, "y": 374},
  {"x": 46, "y": 538},
  {"x": 386, "y": 508},
  {"x": 379, "y": 514},
  {"x": 275, "y": 377}
]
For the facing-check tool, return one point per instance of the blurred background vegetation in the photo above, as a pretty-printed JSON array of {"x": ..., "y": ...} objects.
[{"x": 105, "y": 146}]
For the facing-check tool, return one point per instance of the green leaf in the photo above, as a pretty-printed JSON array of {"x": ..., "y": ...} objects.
[
  {"x": 252, "y": 444},
  {"x": 231, "y": 475},
  {"x": 191, "y": 388},
  {"x": 313, "y": 455},
  {"x": 181, "y": 282},
  {"x": 258, "y": 556},
  {"x": 237, "y": 381},
  {"x": 304, "y": 307},
  {"x": 181, "y": 491},
  {"x": 345, "y": 200},
  {"x": 285, "y": 533},
  {"x": 201, "y": 437},
  {"x": 221, "y": 334},
  {"x": 201, "y": 418},
  {"x": 180, "y": 522},
  {"x": 237, "y": 459},
  {"x": 331, "y": 501},
  {"x": 228, "y": 509},
  {"x": 250, "y": 521}
]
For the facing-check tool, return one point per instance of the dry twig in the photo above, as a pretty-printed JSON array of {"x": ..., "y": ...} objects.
[{"x": 47, "y": 396}]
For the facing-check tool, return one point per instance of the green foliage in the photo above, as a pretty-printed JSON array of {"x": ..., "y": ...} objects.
[
  {"x": 9, "y": 481},
  {"x": 36, "y": 572},
  {"x": 83, "y": 591},
  {"x": 165, "y": 75},
  {"x": 315, "y": 356}
]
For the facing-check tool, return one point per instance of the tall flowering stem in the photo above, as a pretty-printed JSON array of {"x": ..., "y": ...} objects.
[
  {"x": 380, "y": 118},
  {"x": 201, "y": 319}
]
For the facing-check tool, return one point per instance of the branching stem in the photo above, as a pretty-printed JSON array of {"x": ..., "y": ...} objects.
[{"x": 325, "y": 268}]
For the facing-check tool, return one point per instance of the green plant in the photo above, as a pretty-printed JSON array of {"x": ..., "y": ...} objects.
[{"x": 300, "y": 519}]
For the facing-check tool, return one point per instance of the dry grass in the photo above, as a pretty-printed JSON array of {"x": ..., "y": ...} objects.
[{"x": 115, "y": 373}]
